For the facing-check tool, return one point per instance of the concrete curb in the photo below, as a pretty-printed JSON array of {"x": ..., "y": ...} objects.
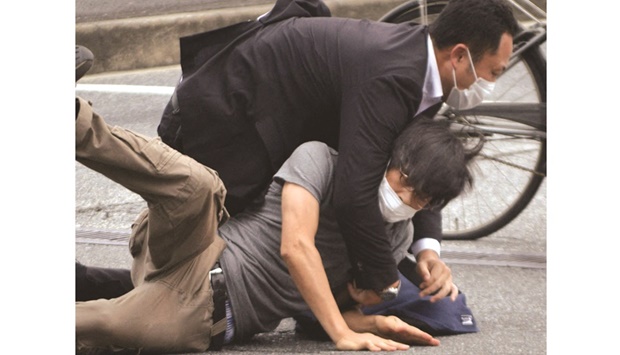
[{"x": 153, "y": 41}]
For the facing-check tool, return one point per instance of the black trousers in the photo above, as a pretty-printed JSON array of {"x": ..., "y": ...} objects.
[{"x": 93, "y": 283}]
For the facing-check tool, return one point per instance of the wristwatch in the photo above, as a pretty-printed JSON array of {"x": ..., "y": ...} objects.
[{"x": 389, "y": 293}]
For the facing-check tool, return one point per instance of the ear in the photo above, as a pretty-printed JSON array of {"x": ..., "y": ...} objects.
[{"x": 458, "y": 53}]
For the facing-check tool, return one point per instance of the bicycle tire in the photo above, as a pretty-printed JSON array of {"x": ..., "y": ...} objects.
[{"x": 465, "y": 218}]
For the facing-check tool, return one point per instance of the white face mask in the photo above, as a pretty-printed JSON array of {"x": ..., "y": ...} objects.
[
  {"x": 472, "y": 96},
  {"x": 393, "y": 209}
]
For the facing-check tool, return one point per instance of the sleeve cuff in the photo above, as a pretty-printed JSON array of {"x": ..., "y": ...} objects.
[{"x": 426, "y": 243}]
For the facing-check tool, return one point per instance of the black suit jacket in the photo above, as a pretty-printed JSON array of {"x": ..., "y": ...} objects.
[{"x": 252, "y": 92}]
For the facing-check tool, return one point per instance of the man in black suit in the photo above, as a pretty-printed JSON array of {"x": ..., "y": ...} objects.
[{"x": 252, "y": 92}]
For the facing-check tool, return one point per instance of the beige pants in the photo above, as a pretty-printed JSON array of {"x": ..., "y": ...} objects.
[{"x": 174, "y": 243}]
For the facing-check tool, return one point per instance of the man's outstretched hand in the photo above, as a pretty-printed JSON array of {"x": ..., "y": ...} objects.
[
  {"x": 394, "y": 328},
  {"x": 368, "y": 341},
  {"x": 376, "y": 332}
]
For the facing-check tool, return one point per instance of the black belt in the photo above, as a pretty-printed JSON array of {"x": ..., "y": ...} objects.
[{"x": 218, "y": 330}]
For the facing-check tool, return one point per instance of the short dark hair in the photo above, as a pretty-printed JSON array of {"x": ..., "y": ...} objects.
[
  {"x": 479, "y": 24},
  {"x": 434, "y": 159}
]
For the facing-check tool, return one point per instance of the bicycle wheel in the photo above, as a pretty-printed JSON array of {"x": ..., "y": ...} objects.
[{"x": 512, "y": 163}]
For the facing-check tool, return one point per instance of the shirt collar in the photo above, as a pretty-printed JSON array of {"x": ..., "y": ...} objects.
[{"x": 432, "y": 90}]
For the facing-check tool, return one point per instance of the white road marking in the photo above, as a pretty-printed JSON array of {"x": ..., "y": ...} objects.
[{"x": 125, "y": 89}]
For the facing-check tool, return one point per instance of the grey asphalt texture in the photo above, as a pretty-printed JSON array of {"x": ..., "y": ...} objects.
[{"x": 504, "y": 275}]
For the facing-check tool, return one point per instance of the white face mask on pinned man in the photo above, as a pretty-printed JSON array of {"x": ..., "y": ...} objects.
[
  {"x": 393, "y": 209},
  {"x": 473, "y": 95}
]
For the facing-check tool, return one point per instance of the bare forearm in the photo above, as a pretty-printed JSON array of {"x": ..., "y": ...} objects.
[
  {"x": 300, "y": 219},
  {"x": 306, "y": 269}
]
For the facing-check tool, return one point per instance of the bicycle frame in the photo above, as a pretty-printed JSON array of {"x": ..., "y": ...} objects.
[
  {"x": 533, "y": 115},
  {"x": 533, "y": 35}
]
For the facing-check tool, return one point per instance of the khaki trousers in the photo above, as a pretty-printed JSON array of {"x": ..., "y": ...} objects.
[{"x": 174, "y": 243}]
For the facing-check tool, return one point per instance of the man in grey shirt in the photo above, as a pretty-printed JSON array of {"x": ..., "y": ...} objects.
[
  {"x": 254, "y": 237},
  {"x": 265, "y": 253}
]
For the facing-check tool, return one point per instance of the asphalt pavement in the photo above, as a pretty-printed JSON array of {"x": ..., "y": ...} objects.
[{"x": 504, "y": 275}]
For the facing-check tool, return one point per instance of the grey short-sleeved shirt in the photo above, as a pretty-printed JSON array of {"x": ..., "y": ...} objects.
[{"x": 260, "y": 288}]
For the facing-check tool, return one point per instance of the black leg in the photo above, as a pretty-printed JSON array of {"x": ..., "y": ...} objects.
[{"x": 92, "y": 283}]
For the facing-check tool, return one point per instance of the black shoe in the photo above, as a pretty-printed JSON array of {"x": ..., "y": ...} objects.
[{"x": 84, "y": 59}]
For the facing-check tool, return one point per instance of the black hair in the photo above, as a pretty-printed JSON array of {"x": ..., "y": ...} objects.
[
  {"x": 479, "y": 24},
  {"x": 434, "y": 159}
]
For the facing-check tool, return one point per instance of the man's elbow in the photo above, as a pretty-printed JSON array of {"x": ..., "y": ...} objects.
[
  {"x": 288, "y": 251},
  {"x": 292, "y": 251}
]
